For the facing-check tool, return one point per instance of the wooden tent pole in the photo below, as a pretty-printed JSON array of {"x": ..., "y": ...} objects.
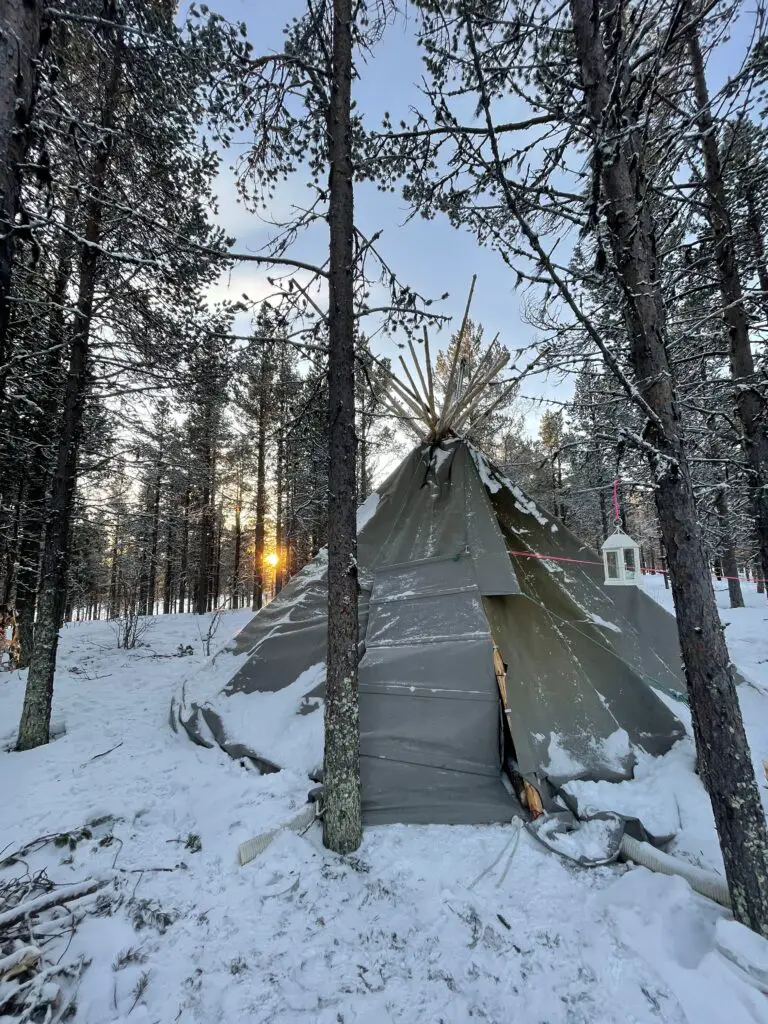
[
  {"x": 425, "y": 389},
  {"x": 532, "y": 796},
  {"x": 454, "y": 363},
  {"x": 430, "y": 381}
]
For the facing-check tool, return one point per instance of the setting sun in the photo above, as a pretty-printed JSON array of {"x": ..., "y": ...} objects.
[{"x": 272, "y": 559}]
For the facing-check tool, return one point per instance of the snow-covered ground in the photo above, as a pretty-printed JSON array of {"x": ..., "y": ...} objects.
[{"x": 413, "y": 928}]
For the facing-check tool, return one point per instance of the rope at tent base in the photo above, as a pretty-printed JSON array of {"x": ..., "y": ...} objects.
[
  {"x": 704, "y": 882},
  {"x": 513, "y": 844}
]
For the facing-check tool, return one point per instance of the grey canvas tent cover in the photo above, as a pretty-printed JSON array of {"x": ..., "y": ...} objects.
[{"x": 443, "y": 578}]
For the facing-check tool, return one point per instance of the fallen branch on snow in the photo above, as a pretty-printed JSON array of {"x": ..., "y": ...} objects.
[
  {"x": 52, "y": 899},
  {"x": 18, "y": 962}
]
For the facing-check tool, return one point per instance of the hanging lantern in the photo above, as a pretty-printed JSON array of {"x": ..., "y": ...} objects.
[{"x": 621, "y": 560}]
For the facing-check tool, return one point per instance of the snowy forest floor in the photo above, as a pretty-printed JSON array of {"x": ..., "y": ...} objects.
[{"x": 398, "y": 932}]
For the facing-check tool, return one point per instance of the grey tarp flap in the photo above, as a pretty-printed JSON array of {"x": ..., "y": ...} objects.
[
  {"x": 643, "y": 633},
  {"x": 575, "y": 705},
  {"x": 212, "y": 726},
  {"x": 430, "y": 740},
  {"x": 562, "y": 833},
  {"x": 443, "y": 510},
  {"x": 289, "y": 635}
]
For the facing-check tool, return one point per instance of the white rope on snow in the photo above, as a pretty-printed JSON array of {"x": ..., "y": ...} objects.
[
  {"x": 253, "y": 847},
  {"x": 513, "y": 841},
  {"x": 704, "y": 882}
]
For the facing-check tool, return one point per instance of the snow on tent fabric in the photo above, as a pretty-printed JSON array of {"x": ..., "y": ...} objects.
[{"x": 440, "y": 590}]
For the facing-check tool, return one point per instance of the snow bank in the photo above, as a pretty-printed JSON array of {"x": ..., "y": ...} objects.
[
  {"x": 367, "y": 510},
  {"x": 273, "y": 725}
]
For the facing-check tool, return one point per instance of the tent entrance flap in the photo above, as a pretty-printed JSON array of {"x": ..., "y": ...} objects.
[
  {"x": 527, "y": 794},
  {"x": 429, "y": 709}
]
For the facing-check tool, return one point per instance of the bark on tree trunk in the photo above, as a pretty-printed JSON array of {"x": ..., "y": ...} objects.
[
  {"x": 168, "y": 567},
  {"x": 19, "y": 51},
  {"x": 727, "y": 550},
  {"x": 205, "y": 563},
  {"x": 52, "y": 601},
  {"x": 749, "y": 400},
  {"x": 40, "y": 463},
  {"x": 154, "y": 538},
  {"x": 184, "y": 560},
  {"x": 113, "y": 609},
  {"x": 261, "y": 493},
  {"x": 29, "y": 556},
  {"x": 12, "y": 546},
  {"x": 363, "y": 485},
  {"x": 720, "y": 739},
  {"x": 202, "y": 582},
  {"x": 342, "y": 831},
  {"x": 755, "y": 232},
  {"x": 603, "y": 518},
  {"x": 216, "y": 589},
  {"x": 238, "y": 545},
  {"x": 280, "y": 542}
]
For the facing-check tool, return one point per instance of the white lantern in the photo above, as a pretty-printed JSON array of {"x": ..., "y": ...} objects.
[{"x": 621, "y": 560}]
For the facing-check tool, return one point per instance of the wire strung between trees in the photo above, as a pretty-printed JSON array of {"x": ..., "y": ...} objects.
[{"x": 643, "y": 569}]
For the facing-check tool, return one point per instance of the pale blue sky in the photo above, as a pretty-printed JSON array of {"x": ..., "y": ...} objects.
[{"x": 431, "y": 256}]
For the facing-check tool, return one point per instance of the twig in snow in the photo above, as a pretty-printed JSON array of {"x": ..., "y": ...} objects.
[
  {"x": 138, "y": 880},
  {"x": 139, "y": 989},
  {"x": 120, "y": 850},
  {"x": 102, "y": 754},
  {"x": 140, "y": 871}
]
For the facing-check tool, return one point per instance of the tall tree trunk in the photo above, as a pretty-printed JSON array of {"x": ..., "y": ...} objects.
[
  {"x": 603, "y": 517},
  {"x": 363, "y": 487},
  {"x": 261, "y": 493},
  {"x": 184, "y": 560},
  {"x": 168, "y": 567},
  {"x": 720, "y": 739},
  {"x": 342, "y": 831},
  {"x": 238, "y": 546},
  {"x": 727, "y": 550},
  {"x": 12, "y": 547},
  {"x": 207, "y": 521},
  {"x": 749, "y": 399},
  {"x": 755, "y": 235},
  {"x": 36, "y": 713},
  {"x": 19, "y": 51},
  {"x": 113, "y": 609},
  {"x": 203, "y": 582},
  {"x": 142, "y": 600},
  {"x": 317, "y": 535},
  {"x": 280, "y": 539},
  {"x": 39, "y": 468},
  {"x": 216, "y": 588},
  {"x": 154, "y": 539},
  {"x": 29, "y": 557}
]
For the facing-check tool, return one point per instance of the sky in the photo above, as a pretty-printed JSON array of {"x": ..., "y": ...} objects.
[{"x": 430, "y": 256}]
